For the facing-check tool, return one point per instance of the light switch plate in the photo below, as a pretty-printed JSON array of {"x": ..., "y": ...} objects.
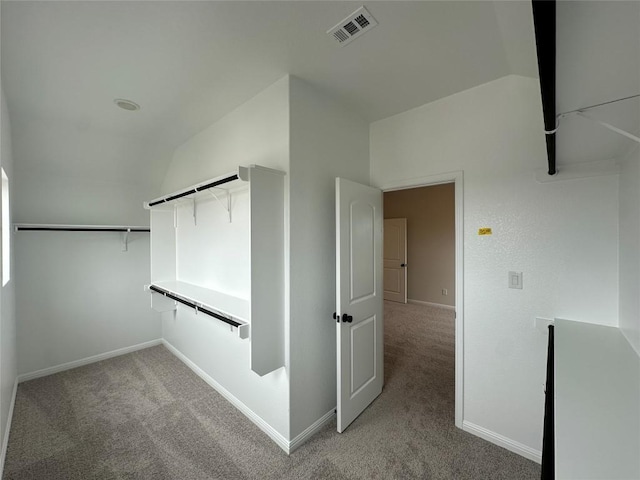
[{"x": 515, "y": 280}]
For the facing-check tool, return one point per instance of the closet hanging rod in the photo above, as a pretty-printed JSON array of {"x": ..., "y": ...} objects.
[
  {"x": 580, "y": 110},
  {"x": 195, "y": 189},
  {"x": 191, "y": 304},
  {"x": 78, "y": 228}
]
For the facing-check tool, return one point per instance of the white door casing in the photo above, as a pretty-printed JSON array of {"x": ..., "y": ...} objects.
[
  {"x": 395, "y": 259},
  {"x": 359, "y": 296}
]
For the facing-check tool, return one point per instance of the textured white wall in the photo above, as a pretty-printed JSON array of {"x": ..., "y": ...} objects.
[
  {"x": 78, "y": 294},
  {"x": 561, "y": 235},
  {"x": 58, "y": 198},
  {"x": 255, "y": 133},
  {"x": 630, "y": 248},
  {"x": 8, "y": 359},
  {"x": 327, "y": 141}
]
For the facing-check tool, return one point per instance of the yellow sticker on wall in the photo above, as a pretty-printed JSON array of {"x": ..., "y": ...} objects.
[{"x": 484, "y": 231}]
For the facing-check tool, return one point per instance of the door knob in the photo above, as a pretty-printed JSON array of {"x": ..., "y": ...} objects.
[
  {"x": 403, "y": 264},
  {"x": 336, "y": 317},
  {"x": 347, "y": 318}
]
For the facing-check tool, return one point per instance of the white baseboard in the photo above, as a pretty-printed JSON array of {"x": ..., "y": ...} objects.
[
  {"x": 430, "y": 304},
  {"x": 86, "y": 361},
  {"x": 502, "y": 441},
  {"x": 311, "y": 430},
  {"x": 276, "y": 436},
  {"x": 5, "y": 440}
]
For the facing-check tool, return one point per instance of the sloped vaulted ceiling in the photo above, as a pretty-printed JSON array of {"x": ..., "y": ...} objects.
[{"x": 189, "y": 63}]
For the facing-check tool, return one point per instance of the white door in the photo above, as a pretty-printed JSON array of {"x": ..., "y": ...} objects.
[
  {"x": 358, "y": 297},
  {"x": 395, "y": 259}
]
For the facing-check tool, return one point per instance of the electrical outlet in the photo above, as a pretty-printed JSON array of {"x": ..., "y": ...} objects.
[{"x": 445, "y": 292}]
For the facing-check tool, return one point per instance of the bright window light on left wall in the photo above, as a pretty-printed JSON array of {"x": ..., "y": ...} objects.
[{"x": 6, "y": 230}]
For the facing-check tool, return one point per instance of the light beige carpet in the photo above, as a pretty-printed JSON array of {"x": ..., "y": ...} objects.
[{"x": 147, "y": 416}]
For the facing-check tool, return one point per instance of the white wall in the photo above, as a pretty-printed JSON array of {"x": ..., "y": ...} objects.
[
  {"x": 77, "y": 294},
  {"x": 59, "y": 198},
  {"x": 561, "y": 235},
  {"x": 327, "y": 141},
  {"x": 630, "y": 248},
  {"x": 78, "y": 175},
  {"x": 8, "y": 361},
  {"x": 255, "y": 133}
]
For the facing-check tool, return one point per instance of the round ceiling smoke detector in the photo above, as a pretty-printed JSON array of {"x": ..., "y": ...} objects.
[{"x": 127, "y": 104}]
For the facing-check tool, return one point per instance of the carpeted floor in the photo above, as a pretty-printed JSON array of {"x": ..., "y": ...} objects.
[{"x": 147, "y": 416}]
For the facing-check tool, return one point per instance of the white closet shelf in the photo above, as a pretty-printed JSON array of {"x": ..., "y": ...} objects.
[
  {"x": 234, "y": 308},
  {"x": 226, "y": 182}
]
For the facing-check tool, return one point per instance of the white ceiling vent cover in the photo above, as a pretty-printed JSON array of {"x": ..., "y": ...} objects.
[{"x": 356, "y": 24}]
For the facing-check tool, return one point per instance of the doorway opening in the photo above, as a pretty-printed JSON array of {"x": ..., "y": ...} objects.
[
  {"x": 419, "y": 245},
  {"x": 430, "y": 272}
]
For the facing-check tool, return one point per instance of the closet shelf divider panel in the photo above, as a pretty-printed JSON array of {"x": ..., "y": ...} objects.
[{"x": 267, "y": 269}]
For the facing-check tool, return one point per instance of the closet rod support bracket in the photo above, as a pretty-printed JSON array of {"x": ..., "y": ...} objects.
[
  {"x": 125, "y": 240},
  {"x": 195, "y": 219},
  {"x": 228, "y": 207}
]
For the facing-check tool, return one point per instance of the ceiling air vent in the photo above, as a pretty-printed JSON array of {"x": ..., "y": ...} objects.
[{"x": 356, "y": 24}]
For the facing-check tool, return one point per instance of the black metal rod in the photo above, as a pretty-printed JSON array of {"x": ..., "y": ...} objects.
[
  {"x": 630, "y": 97},
  {"x": 548, "y": 437},
  {"x": 193, "y": 305},
  {"x": 228, "y": 179},
  {"x": 81, "y": 229},
  {"x": 544, "y": 21},
  {"x": 217, "y": 182},
  {"x": 172, "y": 296}
]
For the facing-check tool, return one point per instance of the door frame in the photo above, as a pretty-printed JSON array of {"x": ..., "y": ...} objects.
[{"x": 429, "y": 181}]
